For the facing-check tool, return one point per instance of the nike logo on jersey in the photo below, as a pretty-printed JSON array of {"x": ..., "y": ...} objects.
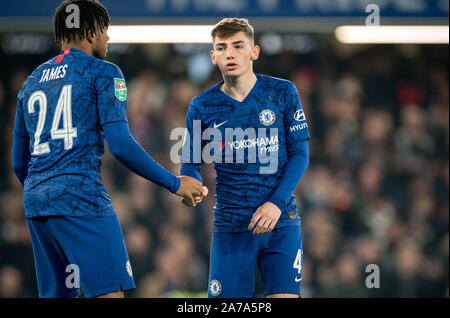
[
  {"x": 216, "y": 126},
  {"x": 297, "y": 279}
]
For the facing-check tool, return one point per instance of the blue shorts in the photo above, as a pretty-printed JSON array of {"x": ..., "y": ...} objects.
[
  {"x": 73, "y": 252},
  {"x": 234, "y": 257}
]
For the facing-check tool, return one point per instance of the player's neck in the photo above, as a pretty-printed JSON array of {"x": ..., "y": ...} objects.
[
  {"x": 238, "y": 87},
  {"x": 81, "y": 46}
]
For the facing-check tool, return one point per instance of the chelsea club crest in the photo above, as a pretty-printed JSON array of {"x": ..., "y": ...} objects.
[
  {"x": 215, "y": 287},
  {"x": 267, "y": 117}
]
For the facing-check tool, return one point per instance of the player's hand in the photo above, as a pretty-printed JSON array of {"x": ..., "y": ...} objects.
[
  {"x": 265, "y": 218},
  {"x": 197, "y": 199},
  {"x": 190, "y": 188}
]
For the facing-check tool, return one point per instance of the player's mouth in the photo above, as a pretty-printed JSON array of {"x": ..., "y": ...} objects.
[{"x": 231, "y": 66}]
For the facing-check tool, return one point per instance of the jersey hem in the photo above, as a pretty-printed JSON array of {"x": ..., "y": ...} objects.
[{"x": 42, "y": 214}]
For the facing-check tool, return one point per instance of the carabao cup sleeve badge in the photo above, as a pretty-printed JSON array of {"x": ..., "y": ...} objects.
[{"x": 120, "y": 89}]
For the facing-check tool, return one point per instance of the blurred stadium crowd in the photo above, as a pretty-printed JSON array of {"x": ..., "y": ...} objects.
[{"x": 375, "y": 192}]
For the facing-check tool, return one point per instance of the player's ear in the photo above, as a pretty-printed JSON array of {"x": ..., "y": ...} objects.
[
  {"x": 255, "y": 53},
  {"x": 213, "y": 57},
  {"x": 90, "y": 36}
]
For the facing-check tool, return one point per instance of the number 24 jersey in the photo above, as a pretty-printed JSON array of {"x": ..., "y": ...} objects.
[{"x": 61, "y": 109}]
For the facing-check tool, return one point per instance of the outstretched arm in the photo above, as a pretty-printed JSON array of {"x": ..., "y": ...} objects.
[{"x": 125, "y": 148}]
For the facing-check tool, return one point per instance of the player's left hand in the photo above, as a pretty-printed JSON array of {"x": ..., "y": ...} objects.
[{"x": 265, "y": 218}]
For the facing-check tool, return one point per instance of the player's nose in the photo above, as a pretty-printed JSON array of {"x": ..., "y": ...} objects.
[{"x": 229, "y": 53}]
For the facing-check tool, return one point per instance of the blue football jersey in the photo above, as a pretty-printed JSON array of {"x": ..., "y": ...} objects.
[
  {"x": 248, "y": 143},
  {"x": 61, "y": 108}
]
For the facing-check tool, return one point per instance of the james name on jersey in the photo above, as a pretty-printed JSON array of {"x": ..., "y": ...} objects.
[{"x": 53, "y": 73}]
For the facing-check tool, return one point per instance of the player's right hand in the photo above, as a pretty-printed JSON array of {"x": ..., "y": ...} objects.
[
  {"x": 199, "y": 199},
  {"x": 190, "y": 188}
]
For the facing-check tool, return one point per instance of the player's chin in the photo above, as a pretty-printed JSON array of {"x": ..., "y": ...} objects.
[{"x": 233, "y": 72}]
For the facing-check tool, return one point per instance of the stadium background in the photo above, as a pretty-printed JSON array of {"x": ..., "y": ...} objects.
[{"x": 375, "y": 192}]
